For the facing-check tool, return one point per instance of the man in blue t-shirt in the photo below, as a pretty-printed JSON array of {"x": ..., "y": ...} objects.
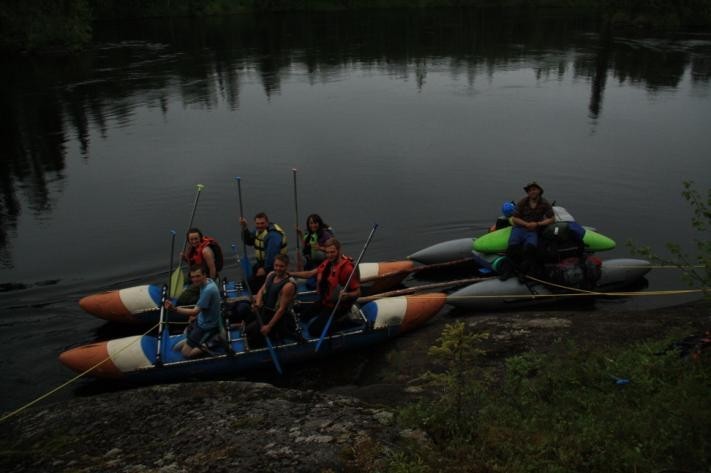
[{"x": 204, "y": 317}]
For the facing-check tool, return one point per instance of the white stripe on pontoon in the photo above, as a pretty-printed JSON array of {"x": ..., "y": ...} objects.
[
  {"x": 127, "y": 353},
  {"x": 391, "y": 311},
  {"x": 137, "y": 299},
  {"x": 368, "y": 270}
]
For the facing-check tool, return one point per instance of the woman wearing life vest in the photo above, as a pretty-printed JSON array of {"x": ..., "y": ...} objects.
[
  {"x": 313, "y": 242},
  {"x": 201, "y": 253},
  {"x": 204, "y": 252}
]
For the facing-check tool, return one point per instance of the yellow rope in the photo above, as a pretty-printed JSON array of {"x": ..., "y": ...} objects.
[
  {"x": 660, "y": 266},
  {"x": 590, "y": 293},
  {"x": 62, "y": 386}
]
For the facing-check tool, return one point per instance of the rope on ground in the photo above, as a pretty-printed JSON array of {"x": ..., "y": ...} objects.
[{"x": 62, "y": 386}]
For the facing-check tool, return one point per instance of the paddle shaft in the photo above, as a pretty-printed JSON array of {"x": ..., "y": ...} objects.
[
  {"x": 245, "y": 269},
  {"x": 340, "y": 293},
  {"x": 297, "y": 242},
  {"x": 162, "y": 322},
  {"x": 172, "y": 251},
  {"x": 410, "y": 290},
  {"x": 190, "y": 225},
  {"x": 258, "y": 316}
]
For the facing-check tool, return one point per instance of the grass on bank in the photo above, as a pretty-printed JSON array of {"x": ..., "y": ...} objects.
[{"x": 642, "y": 408}]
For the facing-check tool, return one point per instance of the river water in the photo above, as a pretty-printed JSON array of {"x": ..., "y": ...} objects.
[{"x": 422, "y": 122}]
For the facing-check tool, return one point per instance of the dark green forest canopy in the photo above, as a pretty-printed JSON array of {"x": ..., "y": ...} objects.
[{"x": 40, "y": 25}]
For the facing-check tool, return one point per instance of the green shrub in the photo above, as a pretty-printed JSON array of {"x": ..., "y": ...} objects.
[
  {"x": 641, "y": 408},
  {"x": 453, "y": 412}
]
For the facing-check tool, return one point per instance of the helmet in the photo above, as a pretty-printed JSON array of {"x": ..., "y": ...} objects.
[{"x": 508, "y": 209}]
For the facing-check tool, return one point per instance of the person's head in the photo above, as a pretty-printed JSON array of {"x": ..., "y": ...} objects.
[
  {"x": 332, "y": 247},
  {"x": 508, "y": 209},
  {"x": 314, "y": 223},
  {"x": 261, "y": 221},
  {"x": 197, "y": 275},
  {"x": 281, "y": 263},
  {"x": 194, "y": 236},
  {"x": 533, "y": 189}
]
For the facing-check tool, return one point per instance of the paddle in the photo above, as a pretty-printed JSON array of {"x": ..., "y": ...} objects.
[
  {"x": 422, "y": 287},
  {"x": 177, "y": 279},
  {"x": 258, "y": 316},
  {"x": 340, "y": 293},
  {"x": 417, "y": 269},
  {"x": 162, "y": 322},
  {"x": 246, "y": 268},
  {"x": 299, "y": 262}
]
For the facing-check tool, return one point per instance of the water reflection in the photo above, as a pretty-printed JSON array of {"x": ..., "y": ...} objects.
[{"x": 47, "y": 102}]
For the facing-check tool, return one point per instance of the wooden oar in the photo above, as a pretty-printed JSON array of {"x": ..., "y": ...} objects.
[
  {"x": 413, "y": 289},
  {"x": 177, "y": 280},
  {"x": 345, "y": 287},
  {"x": 418, "y": 269}
]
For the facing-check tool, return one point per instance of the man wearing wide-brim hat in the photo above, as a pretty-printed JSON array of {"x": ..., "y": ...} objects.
[{"x": 533, "y": 212}]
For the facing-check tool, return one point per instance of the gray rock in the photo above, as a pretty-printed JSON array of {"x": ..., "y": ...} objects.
[{"x": 213, "y": 426}]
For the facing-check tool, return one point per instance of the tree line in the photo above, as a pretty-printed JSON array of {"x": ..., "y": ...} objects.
[{"x": 67, "y": 25}]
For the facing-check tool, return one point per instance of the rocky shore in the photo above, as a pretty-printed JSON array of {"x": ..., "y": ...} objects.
[
  {"x": 195, "y": 427},
  {"x": 313, "y": 424}
]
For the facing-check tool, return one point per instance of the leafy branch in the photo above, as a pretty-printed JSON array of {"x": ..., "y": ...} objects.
[{"x": 696, "y": 271}]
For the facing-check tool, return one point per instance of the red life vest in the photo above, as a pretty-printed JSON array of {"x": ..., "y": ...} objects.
[
  {"x": 337, "y": 277},
  {"x": 195, "y": 256}
]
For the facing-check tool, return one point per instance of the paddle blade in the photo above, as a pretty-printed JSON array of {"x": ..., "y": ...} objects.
[{"x": 177, "y": 283}]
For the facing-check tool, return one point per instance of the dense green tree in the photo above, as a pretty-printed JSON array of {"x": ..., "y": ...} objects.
[{"x": 29, "y": 25}]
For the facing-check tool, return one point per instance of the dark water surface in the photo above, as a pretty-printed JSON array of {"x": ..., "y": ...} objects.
[{"x": 422, "y": 122}]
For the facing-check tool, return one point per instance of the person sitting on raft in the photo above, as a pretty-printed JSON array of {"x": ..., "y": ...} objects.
[
  {"x": 273, "y": 305},
  {"x": 331, "y": 277},
  {"x": 532, "y": 213},
  {"x": 268, "y": 240},
  {"x": 313, "y": 242},
  {"x": 199, "y": 253},
  {"x": 204, "y": 317}
]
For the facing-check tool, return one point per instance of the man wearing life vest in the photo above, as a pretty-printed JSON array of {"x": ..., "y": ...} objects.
[
  {"x": 268, "y": 240},
  {"x": 331, "y": 277},
  {"x": 532, "y": 213},
  {"x": 199, "y": 252},
  {"x": 273, "y": 304}
]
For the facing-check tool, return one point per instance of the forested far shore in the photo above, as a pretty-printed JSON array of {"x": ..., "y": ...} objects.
[{"x": 68, "y": 25}]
